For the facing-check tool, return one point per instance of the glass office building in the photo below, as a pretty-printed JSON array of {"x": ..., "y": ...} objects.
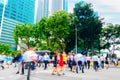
[
  {"x": 65, "y": 5},
  {"x": 42, "y": 9},
  {"x": 46, "y": 8},
  {"x": 56, "y": 5},
  {"x": 15, "y": 11}
]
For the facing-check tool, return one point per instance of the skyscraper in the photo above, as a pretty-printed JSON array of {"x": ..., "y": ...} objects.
[
  {"x": 48, "y": 7},
  {"x": 65, "y": 5},
  {"x": 55, "y": 5},
  {"x": 15, "y": 11},
  {"x": 42, "y": 9}
]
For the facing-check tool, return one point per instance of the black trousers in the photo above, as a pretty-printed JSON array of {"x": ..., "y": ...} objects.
[
  {"x": 95, "y": 65},
  {"x": 70, "y": 64},
  {"x": 88, "y": 64},
  {"x": 45, "y": 62},
  {"x": 1, "y": 64},
  {"x": 28, "y": 64},
  {"x": 80, "y": 66}
]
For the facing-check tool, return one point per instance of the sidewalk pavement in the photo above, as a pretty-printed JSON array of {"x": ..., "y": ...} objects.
[{"x": 112, "y": 73}]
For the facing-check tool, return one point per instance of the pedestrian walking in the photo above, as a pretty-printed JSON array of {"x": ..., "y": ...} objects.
[
  {"x": 95, "y": 62},
  {"x": 88, "y": 61},
  {"x": 46, "y": 59},
  {"x": 2, "y": 59},
  {"x": 55, "y": 63},
  {"x": 28, "y": 58},
  {"x": 102, "y": 61},
  {"x": 60, "y": 64},
  {"x": 19, "y": 59},
  {"x": 70, "y": 58}
]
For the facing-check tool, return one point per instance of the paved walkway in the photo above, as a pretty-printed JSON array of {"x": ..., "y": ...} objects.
[{"x": 40, "y": 74}]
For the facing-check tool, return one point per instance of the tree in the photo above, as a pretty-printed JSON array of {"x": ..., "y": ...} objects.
[
  {"x": 70, "y": 40},
  {"x": 110, "y": 37},
  {"x": 58, "y": 27},
  {"x": 89, "y": 25},
  {"x": 4, "y": 48},
  {"x": 24, "y": 34},
  {"x": 40, "y": 32}
]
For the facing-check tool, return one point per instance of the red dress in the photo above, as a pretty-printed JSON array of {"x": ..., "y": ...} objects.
[{"x": 61, "y": 62}]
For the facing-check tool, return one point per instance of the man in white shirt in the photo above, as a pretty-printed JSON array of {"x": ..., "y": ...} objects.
[
  {"x": 28, "y": 58},
  {"x": 95, "y": 62},
  {"x": 29, "y": 55},
  {"x": 88, "y": 60},
  {"x": 102, "y": 61},
  {"x": 46, "y": 59},
  {"x": 79, "y": 62}
]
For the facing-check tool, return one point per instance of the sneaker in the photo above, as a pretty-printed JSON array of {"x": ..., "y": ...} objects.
[
  {"x": 21, "y": 74},
  {"x": 3, "y": 67},
  {"x": 82, "y": 72},
  {"x": 59, "y": 75},
  {"x": 63, "y": 73},
  {"x": 53, "y": 74},
  {"x": 17, "y": 72}
]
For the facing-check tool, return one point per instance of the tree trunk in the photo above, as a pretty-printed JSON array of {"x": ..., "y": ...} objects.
[
  {"x": 27, "y": 42},
  {"x": 92, "y": 48}
]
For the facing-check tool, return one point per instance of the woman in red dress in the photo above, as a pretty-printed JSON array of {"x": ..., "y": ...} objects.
[{"x": 61, "y": 64}]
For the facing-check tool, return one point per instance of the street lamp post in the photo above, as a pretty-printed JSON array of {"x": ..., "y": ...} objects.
[
  {"x": 75, "y": 22},
  {"x": 76, "y": 38}
]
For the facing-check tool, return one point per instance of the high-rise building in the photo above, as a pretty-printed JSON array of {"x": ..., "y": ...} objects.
[
  {"x": 42, "y": 9},
  {"x": 65, "y": 5},
  {"x": 15, "y": 11},
  {"x": 48, "y": 7},
  {"x": 55, "y": 5}
]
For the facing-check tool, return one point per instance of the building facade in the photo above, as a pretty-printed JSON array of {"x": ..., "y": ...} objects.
[
  {"x": 65, "y": 5},
  {"x": 15, "y": 11},
  {"x": 42, "y": 9},
  {"x": 55, "y": 5},
  {"x": 46, "y": 8}
]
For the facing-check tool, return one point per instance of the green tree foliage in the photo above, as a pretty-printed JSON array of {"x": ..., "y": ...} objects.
[
  {"x": 89, "y": 25},
  {"x": 39, "y": 31},
  {"x": 58, "y": 25},
  {"x": 53, "y": 33},
  {"x": 70, "y": 40},
  {"x": 113, "y": 56},
  {"x": 110, "y": 37},
  {"x": 4, "y": 48},
  {"x": 24, "y": 33}
]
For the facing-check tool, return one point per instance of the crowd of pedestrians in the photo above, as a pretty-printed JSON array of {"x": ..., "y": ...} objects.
[{"x": 75, "y": 62}]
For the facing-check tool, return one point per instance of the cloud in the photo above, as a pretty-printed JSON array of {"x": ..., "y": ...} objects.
[{"x": 107, "y": 9}]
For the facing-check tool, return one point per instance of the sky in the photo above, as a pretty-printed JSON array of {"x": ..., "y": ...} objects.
[{"x": 107, "y": 9}]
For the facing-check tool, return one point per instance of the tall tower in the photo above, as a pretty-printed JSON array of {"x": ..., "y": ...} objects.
[
  {"x": 65, "y": 5},
  {"x": 55, "y": 5},
  {"x": 46, "y": 8},
  {"x": 42, "y": 9},
  {"x": 15, "y": 11}
]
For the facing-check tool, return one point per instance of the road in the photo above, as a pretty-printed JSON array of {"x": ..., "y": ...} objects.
[{"x": 113, "y": 73}]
